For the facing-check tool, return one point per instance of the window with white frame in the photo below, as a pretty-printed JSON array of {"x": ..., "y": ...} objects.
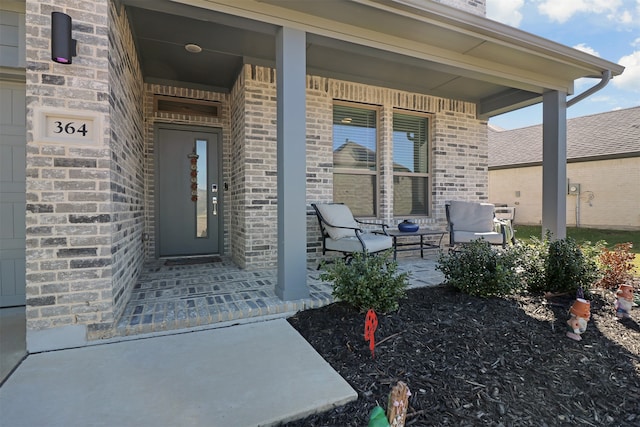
[
  {"x": 411, "y": 171},
  {"x": 355, "y": 160}
]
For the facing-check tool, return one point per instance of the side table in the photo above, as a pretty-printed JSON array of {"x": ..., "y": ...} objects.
[{"x": 413, "y": 244}]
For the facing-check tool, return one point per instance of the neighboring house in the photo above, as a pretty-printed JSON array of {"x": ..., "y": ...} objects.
[
  {"x": 266, "y": 91},
  {"x": 603, "y": 170}
]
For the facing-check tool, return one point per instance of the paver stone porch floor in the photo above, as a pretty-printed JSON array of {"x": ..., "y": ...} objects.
[{"x": 218, "y": 293}]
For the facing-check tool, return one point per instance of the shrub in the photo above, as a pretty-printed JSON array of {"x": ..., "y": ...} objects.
[
  {"x": 558, "y": 265},
  {"x": 567, "y": 268},
  {"x": 368, "y": 281},
  {"x": 477, "y": 269},
  {"x": 616, "y": 265},
  {"x": 531, "y": 259}
]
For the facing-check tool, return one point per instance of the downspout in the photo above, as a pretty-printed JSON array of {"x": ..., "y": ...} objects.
[{"x": 606, "y": 76}]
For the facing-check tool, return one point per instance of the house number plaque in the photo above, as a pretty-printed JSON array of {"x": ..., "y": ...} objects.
[{"x": 68, "y": 126}]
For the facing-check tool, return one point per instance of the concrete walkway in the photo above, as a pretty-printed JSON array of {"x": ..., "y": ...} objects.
[{"x": 256, "y": 374}]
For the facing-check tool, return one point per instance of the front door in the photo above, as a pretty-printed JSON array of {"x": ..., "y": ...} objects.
[
  {"x": 188, "y": 193},
  {"x": 13, "y": 144}
]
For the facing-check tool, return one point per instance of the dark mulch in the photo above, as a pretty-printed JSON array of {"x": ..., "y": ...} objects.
[{"x": 470, "y": 361}]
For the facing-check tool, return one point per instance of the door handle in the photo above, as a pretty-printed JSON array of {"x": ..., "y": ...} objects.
[{"x": 214, "y": 202}]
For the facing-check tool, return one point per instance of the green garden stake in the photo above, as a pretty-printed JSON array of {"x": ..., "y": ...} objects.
[{"x": 378, "y": 418}]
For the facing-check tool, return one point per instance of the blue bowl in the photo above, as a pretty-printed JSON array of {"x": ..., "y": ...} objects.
[{"x": 407, "y": 226}]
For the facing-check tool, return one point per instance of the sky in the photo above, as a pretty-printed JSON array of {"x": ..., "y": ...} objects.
[{"x": 609, "y": 29}]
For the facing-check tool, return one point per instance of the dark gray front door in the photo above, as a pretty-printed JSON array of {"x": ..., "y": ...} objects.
[
  {"x": 13, "y": 144},
  {"x": 188, "y": 192}
]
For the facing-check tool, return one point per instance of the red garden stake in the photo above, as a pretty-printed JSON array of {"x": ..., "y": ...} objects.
[{"x": 370, "y": 326}]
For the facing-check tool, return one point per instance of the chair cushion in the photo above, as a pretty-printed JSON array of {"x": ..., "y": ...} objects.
[
  {"x": 489, "y": 236},
  {"x": 373, "y": 243},
  {"x": 470, "y": 216},
  {"x": 340, "y": 215}
]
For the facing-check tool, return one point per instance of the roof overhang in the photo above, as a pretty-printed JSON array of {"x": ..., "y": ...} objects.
[{"x": 413, "y": 45}]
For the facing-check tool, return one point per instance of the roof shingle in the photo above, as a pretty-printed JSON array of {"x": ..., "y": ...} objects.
[{"x": 611, "y": 134}]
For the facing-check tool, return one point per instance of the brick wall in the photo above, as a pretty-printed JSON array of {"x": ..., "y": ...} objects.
[
  {"x": 319, "y": 155},
  {"x": 459, "y": 156},
  {"x": 236, "y": 201},
  {"x": 126, "y": 174},
  {"x": 69, "y": 213},
  {"x": 254, "y": 181}
]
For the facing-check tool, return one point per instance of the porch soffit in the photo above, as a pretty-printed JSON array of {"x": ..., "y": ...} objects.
[{"x": 413, "y": 45}]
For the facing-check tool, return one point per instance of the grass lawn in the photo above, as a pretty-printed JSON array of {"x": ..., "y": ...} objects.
[{"x": 593, "y": 235}]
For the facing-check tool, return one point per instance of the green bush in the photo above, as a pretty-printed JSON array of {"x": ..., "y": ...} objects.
[
  {"x": 541, "y": 266},
  {"x": 477, "y": 269},
  {"x": 558, "y": 265},
  {"x": 368, "y": 281},
  {"x": 530, "y": 262}
]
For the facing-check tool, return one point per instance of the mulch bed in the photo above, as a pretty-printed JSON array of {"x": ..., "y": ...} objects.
[{"x": 471, "y": 361}]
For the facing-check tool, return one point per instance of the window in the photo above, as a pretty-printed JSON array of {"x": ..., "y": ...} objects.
[
  {"x": 355, "y": 163},
  {"x": 410, "y": 165}
]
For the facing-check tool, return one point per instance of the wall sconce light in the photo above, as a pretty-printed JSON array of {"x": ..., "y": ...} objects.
[{"x": 63, "y": 47}]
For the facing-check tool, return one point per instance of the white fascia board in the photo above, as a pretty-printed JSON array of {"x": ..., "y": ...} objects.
[
  {"x": 497, "y": 32},
  {"x": 469, "y": 66}
]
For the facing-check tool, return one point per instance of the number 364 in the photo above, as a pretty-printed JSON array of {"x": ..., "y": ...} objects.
[{"x": 70, "y": 128}]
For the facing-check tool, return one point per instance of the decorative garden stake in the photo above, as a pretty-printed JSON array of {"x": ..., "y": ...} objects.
[
  {"x": 624, "y": 301},
  {"x": 370, "y": 326},
  {"x": 580, "y": 313},
  {"x": 398, "y": 404},
  {"x": 377, "y": 418}
]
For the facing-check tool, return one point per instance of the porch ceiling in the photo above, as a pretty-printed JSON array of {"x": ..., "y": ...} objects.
[{"x": 414, "y": 45}]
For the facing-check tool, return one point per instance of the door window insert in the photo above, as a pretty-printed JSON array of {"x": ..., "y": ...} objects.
[{"x": 201, "y": 181}]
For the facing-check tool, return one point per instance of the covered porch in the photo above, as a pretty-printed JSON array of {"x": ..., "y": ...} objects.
[
  {"x": 217, "y": 293},
  {"x": 269, "y": 73},
  {"x": 419, "y": 47}
]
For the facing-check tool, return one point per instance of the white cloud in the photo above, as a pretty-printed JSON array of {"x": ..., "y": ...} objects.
[
  {"x": 636, "y": 42},
  {"x": 562, "y": 10},
  {"x": 601, "y": 99},
  {"x": 584, "y": 83},
  {"x": 625, "y": 17},
  {"x": 587, "y": 49},
  {"x": 630, "y": 78},
  {"x": 505, "y": 11}
]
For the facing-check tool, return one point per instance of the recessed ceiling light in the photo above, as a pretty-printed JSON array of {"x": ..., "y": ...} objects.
[
  {"x": 346, "y": 120},
  {"x": 193, "y": 48}
]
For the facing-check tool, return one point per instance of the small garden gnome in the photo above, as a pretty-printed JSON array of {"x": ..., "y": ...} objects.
[
  {"x": 624, "y": 301},
  {"x": 580, "y": 313}
]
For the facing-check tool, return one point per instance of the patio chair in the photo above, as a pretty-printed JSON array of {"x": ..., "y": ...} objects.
[
  {"x": 469, "y": 221},
  {"x": 341, "y": 232}
]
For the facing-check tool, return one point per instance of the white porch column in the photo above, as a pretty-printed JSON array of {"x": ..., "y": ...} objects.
[
  {"x": 554, "y": 164},
  {"x": 292, "y": 216}
]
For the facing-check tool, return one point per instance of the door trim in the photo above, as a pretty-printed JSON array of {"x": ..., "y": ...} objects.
[{"x": 156, "y": 186}]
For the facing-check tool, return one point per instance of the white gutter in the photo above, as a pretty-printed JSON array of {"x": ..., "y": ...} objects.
[{"x": 606, "y": 76}]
